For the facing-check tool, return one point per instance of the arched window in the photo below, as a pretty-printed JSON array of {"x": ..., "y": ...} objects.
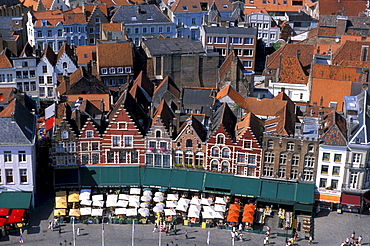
[
  {"x": 290, "y": 146},
  {"x": 214, "y": 165},
  {"x": 189, "y": 143},
  {"x": 220, "y": 139},
  {"x": 310, "y": 148},
  {"x": 64, "y": 134},
  {"x": 225, "y": 166},
  {"x": 178, "y": 157},
  {"x": 270, "y": 144},
  {"x": 215, "y": 152},
  {"x": 189, "y": 157},
  {"x": 225, "y": 153},
  {"x": 158, "y": 134},
  {"x": 199, "y": 159}
]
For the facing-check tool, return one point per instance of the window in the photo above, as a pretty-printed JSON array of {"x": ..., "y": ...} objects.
[
  {"x": 71, "y": 160},
  {"x": 324, "y": 169},
  {"x": 219, "y": 40},
  {"x": 281, "y": 173},
  {"x": 97, "y": 19},
  {"x": 270, "y": 144},
  {"x": 160, "y": 29},
  {"x": 168, "y": 29},
  {"x": 122, "y": 156},
  {"x": 252, "y": 159},
  {"x": 309, "y": 161},
  {"x": 189, "y": 143},
  {"x": 268, "y": 171},
  {"x": 225, "y": 153},
  {"x": 104, "y": 70},
  {"x": 8, "y": 156},
  {"x": 269, "y": 157},
  {"x": 323, "y": 183},
  {"x": 110, "y": 156},
  {"x": 22, "y": 156},
  {"x": 220, "y": 139},
  {"x": 310, "y": 148},
  {"x": 145, "y": 30},
  {"x": 49, "y": 80},
  {"x": 149, "y": 160},
  {"x": 178, "y": 157},
  {"x": 94, "y": 145},
  {"x": 120, "y": 70},
  {"x": 290, "y": 147},
  {"x": 95, "y": 158},
  {"x": 199, "y": 159},
  {"x": 189, "y": 158},
  {"x": 128, "y": 30},
  {"x": 9, "y": 175},
  {"x": 337, "y": 157},
  {"x": 247, "y": 144},
  {"x": 236, "y": 40},
  {"x": 215, "y": 152},
  {"x": 44, "y": 69},
  {"x": 84, "y": 146},
  {"x": 248, "y": 52},
  {"x": 134, "y": 156},
  {"x": 59, "y": 147},
  {"x": 282, "y": 159},
  {"x": 60, "y": 33},
  {"x": 294, "y": 174},
  {"x": 185, "y": 8},
  {"x": 295, "y": 160},
  {"x": 241, "y": 158},
  {"x": 163, "y": 146},
  {"x": 50, "y": 91},
  {"x": 152, "y": 29},
  {"x": 240, "y": 170},
  {"x": 84, "y": 159},
  {"x": 248, "y": 40},
  {"x": 89, "y": 134},
  {"x": 307, "y": 175},
  {"x": 326, "y": 156},
  {"x": 214, "y": 165},
  {"x": 128, "y": 141},
  {"x": 50, "y": 33},
  {"x": 353, "y": 180},
  {"x": 116, "y": 141},
  {"x": 225, "y": 166},
  {"x": 39, "y": 34},
  {"x": 158, "y": 134},
  {"x": 128, "y": 69},
  {"x": 193, "y": 34},
  {"x": 60, "y": 160},
  {"x": 336, "y": 170},
  {"x": 356, "y": 159},
  {"x": 136, "y": 30},
  {"x": 247, "y": 64},
  {"x": 25, "y": 74}
]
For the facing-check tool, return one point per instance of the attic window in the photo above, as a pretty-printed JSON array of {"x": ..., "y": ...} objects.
[
  {"x": 112, "y": 70},
  {"x": 204, "y": 6},
  {"x": 150, "y": 18},
  {"x": 120, "y": 70},
  {"x": 194, "y": 6},
  {"x": 185, "y": 8},
  {"x": 224, "y": 6},
  {"x": 104, "y": 70},
  {"x": 64, "y": 134},
  {"x": 133, "y": 18},
  {"x": 86, "y": 56},
  {"x": 128, "y": 69}
]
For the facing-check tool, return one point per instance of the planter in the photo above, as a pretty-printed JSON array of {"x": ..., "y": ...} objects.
[
  {"x": 188, "y": 165},
  {"x": 178, "y": 165},
  {"x": 151, "y": 148},
  {"x": 163, "y": 149}
]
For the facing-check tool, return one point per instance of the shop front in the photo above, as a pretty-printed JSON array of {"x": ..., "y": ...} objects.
[
  {"x": 327, "y": 199},
  {"x": 351, "y": 202}
]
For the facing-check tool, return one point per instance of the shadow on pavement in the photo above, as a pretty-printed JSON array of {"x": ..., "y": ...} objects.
[{"x": 323, "y": 213}]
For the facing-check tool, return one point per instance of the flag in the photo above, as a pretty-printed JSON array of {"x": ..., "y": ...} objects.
[
  {"x": 208, "y": 237},
  {"x": 20, "y": 237}
]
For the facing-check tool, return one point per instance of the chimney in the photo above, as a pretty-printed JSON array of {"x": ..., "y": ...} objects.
[
  {"x": 78, "y": 118},
  {"x": 138, "y": 9},
  {"x": 67, "y": 83},
  {"x": 12, "y": 116},
  {"x": 102, "y": 105},
  {"x": 321, "y": 101},
  {"x": 89, "y": 67}
]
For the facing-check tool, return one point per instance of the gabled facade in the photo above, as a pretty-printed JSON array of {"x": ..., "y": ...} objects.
[
  {"x": 267, "y": 28},
  {"x": 89, "y": 144},
  {"x": 65, "y": 63},
  {"x": 75, "y": 28},
  {"x": 123, "y": 140},
  {"x": 46, "y": 75},
  {"x": 158, "y": 140},
  {"x": 189, "y": 146},
  {"x": 95, "y": 15},
  {"x": 7, "y": 72}
]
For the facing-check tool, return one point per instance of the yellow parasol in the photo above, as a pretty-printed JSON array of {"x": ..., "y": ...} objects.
[
  {"x": 61, "y": 193},
  {"x": 73, "y": 197},
  {"x": 74, "y": 212},
  {"x": 58, "y": 212}
]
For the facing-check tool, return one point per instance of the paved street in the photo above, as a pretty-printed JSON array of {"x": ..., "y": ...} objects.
[{"x": 330, "y": 229}]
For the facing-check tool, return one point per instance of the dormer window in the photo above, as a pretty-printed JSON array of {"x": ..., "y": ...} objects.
[
  {"x": 104, "y": 71},
  {"x": 195, "y": 7},
  {"x": 97, "y": 19},
  {"x": 220, "y": 139},
  {"x": 89, "y": 134},
  {"x": 133, "y": 18},
  {"x": 185, "y": 8},
  {"x": 150, "y": 18},
  {"x": 112, "y": 70},
  {"x": 120, "y": 70},
  {"x": 64, "y": 134},
  {"x": 44, "y": 23},
  {"x": 65, "y": 65},
  {"x": 128, "y": 69},
  {"x": 224, "y": 6}
]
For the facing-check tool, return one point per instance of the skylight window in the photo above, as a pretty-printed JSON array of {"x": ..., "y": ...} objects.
[
  {"x": 195, "y": 6},
  {"x": 133, "y": 18},
  {"x": 150, "y": 18},
  {"x": 185, "y": 8},
  {"x": 224, "y": 6}
]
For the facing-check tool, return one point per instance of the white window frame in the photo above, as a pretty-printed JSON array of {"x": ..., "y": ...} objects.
[{"x": 104, "y": 70}]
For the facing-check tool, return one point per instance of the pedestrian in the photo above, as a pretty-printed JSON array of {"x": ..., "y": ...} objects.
[
  {"x": 186, "y": 234},
  {"x": 264, "y": 242},
  {"x": 240, "y": 227},
  {"x": 155, "y": 228},
  {"x": 267, "y": 240},
  {"x": 353, "y": 235},
  {"x": 60, "y": 230},
  {"x": 232, "y": 235},
  {"x": 295, "y": 236},
  {"x": 78, "y": 231},
  {"x": 359, "y": 240},
  {"x": 50, "y": 225},
  {"x": 174, "y": 228},
  {"x": 310, "y": 240}
]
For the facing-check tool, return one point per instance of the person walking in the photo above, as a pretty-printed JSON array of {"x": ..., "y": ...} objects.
[
  {"x": 50, "y": 225},
  {"x": 155, "y": 228},
  {"x": 186, "y": 234},
  {"x": 310, "y": 240},
  {"x": 78, "y": 231},
  {"x": 359, "y": 240}
]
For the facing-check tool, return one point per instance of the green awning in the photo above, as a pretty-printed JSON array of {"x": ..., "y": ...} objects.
[
  {"x": 260, "y": 199},
  {"x": 89, "y": 176},
  {"x": 305, "y": 193},
  {"x": 286, "y": 191},
  {"x": 156, "y": 177},
  {"x": 130, "y": 176},
  {"x": 218, "y": 182},
  {"x": 246, "y": 186},
  {"x": 194, "y": 180},
  {"x": 269, "y": 189},
  {"x": 303, "y": 207},
  {"x": 15, "y": 199},
  {"x": 109, "y": 176},
  {"x": 178, "y": 179}
]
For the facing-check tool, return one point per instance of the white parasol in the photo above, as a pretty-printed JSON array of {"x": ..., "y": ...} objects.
[
  {"x": 120, "y": 211},
  {"x": 209, "y": 209},
  {"x": 195, "y": 201},
  {"x": 144, "y": 205},
  {"x": 220, "y": 208},
  {"x": 97, "y": 197},
  {"x": 158, "y": 209},
  {"x": 122, "y": 203},
  {"x": 144, "y": 212},
  {"x": 85, "y": 211},
  {"x": 171, "y": 204},
  {"x": 134, "y": 204},
  {"x": 194, "y": 211},
  {"x": 123, "y": 197},
  {"x": 85, "y": 194},
  {"x": 98, "y": 203},
  {"x": 207, "y": 215},
  {"x": 135, "y": 191},
  {"x": 184, "y": 201},
  {"x": 158, "y": 193},
  {"x": 158, "y": 198},
  {"x": 131, "y": 212},
  {"x": 220, "y": 200},
  {"x": 111, "y": 203},
  {"x": 112, "y": 197},
  {"x": 182, "y": 207},
  {"x": 218, "y": 215},
  {"x": 172, "y": 197},
  {"x": 168, "y": 212},
  {"x": 86, "y": 202},
  {"x": 206, "y": 201},
  {"x": 160, "y": 205},
  {"x": 147, "y": 193},
  {"x": 97, "y": 212},
  {"x": 146, "y": 198}
]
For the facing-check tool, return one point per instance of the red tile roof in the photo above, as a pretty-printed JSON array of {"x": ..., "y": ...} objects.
[
  {"x": 5, "y": 62},
  {"x": 111, "y": 26},
  {"x": 233, "y": 94},
  {"x": 277, "y": 6},
  {"x": 346, "y": 8},
  {"x": 195, "y": 5},
  {"x": 95, "y": 99},
  {"x": 74, "y": 18},
  {"x": 53, "y": 17},
  {"x": 291, "y": 71},
  {"x": 114, "y": 55},
  {"x": 84, "y": 53},
  {"x": 89, "y": 8}
]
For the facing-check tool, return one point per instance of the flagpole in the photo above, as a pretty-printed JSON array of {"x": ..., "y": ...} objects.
[
  {"x": 73, "y": 228},
  {"x": 133, "y": 229},
  {"x": 160, "y": 233},
  {"x": 102, "y": 232},
  {"x": 209, "y": 238}
]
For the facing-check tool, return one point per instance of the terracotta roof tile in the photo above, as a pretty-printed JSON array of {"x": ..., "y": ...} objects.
[
  {"x": 264, "y": 106},
  {"x": 121, "y": 57},
  {"x": 5, "y": 62},
  {"x": 291, "y": 71},
  {"x": 47, "y": 3},
  {"x": 95, "y": 99},
  {"x": 49, "y": 54},
  {"x": 53, "y": 17},
  {"x": 346, "y": 8},
  {"x": 233, "y": 94},
  {"x": 163, "y": 112},
  {"x": 65, "y": 49},
  {"x": 7, "y": 94},
  {"x": 31, "y": 3},
  {"x": 144, "y": 82},
  {"x": 85, "y": 53},
  {"x": 278, "y": 5},
  {"x": 335, "y": 72},
  {"x": 74, "y": 10},
  {"x": 89, "y": 8},
  {"x": 350, "y": 50},
  {"x": 252, "y": 122},
  {"x": 9, "y": 110},
  {"x": 74, "y": 18},
  {"x": 111, "y": 26}
]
